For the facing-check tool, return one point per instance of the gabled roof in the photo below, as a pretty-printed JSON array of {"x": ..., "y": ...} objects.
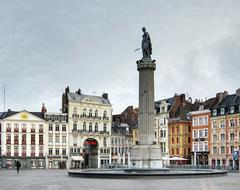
[
  {"x": 229, "y": 100},
  {"x": 79, "y": 98},
  {"x": 10, "y": 113}
]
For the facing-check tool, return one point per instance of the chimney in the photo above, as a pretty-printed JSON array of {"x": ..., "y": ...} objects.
[
  {"x": 43, "y": 110},
  {"x": 105, "y": 96},
  {"x": 238, "y": 92},
  {"x": 182, "y": 98},
  {"x": 219, "y": 95}
]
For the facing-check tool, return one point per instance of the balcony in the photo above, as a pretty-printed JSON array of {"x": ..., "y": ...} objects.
[
  {"x": 16, "y": 130},
  {"x": 15, "y": 141},
  {"x": 24, "y": 130},
  {"x": 105, "y": 118},
  {"x": 24, "y": 154},
  {"x": 8, "y": 153},
  {"x": 40, "y": 142},
  {"x": 32, "y": 130},
  {"x": 32, "y": 153},
  {"x": 41, "y": 154},
  {"x": 74, "y": 130},
  {"x": 75, "y": 116},
  {"x": 8, "y": 129},
  {"x": 8, "y": 141},
  {"x": 32, "y": 142},
  {"x": 24, "y": 142},
  {"x": 15, "y": 153},
  {"x": 40, "y": 130}
]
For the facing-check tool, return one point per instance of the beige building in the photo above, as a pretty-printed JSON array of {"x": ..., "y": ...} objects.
[{"x": 89, "y": 120}]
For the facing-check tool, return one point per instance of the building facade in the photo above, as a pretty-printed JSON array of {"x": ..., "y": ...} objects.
[
  {"x": 56, "y": 140},
  {"x": 200, "y": 136},
  {"x": 121, "y": 142},
  {"x": 225, "y": 132},
  {"x": 89, "y": 121},
  {"x": 22, "y": 138},
  {"x": 161, "y": 127}
]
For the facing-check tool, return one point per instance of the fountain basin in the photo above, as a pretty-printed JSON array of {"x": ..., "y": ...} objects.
[{"x": 145, "y": 173}]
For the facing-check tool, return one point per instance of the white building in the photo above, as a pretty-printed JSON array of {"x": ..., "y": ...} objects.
[
  {"x": 89, "y": 120},
  {"x": 161, "y": 127},
  {"x": 56, "y": 139},
  {"x": 121, "y": 142},
  {"x": 22, "y": 138}
]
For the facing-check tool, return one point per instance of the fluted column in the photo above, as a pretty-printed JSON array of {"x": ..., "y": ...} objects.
[{"x": 146, "y": 69}]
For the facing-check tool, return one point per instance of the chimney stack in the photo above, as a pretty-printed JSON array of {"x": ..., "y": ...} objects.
[
  {"x": 238, "y": 92},
  {"x": 44, "y": 109}
]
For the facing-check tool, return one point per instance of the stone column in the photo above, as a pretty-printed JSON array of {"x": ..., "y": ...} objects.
[{"x": 146, "y": 101}]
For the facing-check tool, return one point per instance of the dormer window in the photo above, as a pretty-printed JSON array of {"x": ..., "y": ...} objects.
[
  {"x": 222, "y": 111},
  {"x": 214, "y": 112},
  {"x": 232, "y": 109}
]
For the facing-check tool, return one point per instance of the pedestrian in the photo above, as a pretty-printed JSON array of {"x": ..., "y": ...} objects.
[{"x": 18, "y": 165}]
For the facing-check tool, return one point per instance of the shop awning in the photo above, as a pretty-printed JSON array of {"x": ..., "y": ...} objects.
[
  {"x": 174, "y": 158},
  {"x": 77, "y": 158}
]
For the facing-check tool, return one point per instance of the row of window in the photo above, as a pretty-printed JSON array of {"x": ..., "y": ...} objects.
[
  {"x": 176, "y": 140},
  {"x": 57, "y": 152},
  {"x": 23, "y": 148},
  {"x": 174, "y": 151},
  {"x": 57, "y": 128},
  {"x": 176, "y": 129},
  {"x": 223, "y": 111},
  {"x": 200, "y": 133},
  {"x": 200, "y": 146},
  {"x": 59, "y": 118},
  {"x": 117, "y": 141},
  {"x": 232, "y": 137},
  {"x": 90, "y": 127},
  {"x": 222, "y": 150},
  {"x": 23, "y": 126},
  {"x": 90, "y": 112},
  {"x": 24, "y": 139},
  {"x": 57, "y": 139},
  {"x": 222, "y": 123},
  {"x": 200, "y": 121}
]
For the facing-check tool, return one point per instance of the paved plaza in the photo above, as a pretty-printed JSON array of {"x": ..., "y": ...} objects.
[{"x": 58, "y": 180}]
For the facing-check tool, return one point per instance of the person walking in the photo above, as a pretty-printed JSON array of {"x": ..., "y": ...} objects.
[{"x": 18, "y": 165}]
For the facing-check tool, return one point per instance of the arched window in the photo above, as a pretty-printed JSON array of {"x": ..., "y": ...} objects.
[
  {"x": 104, "y": 127},
  {"x": 84, "y": 126},
  {"x": 96, "y": 113},
  {"x": 74, "y": 110},
  {"x": 90, "y": 113},
  {"x": 84, "y": 112},
  {"x": 96, "y": 127},
  {"x": 75, "y": 126},
  {"x": 161, "y": 133},
  {"x": 90, "y": 127},
  {"x": 104, "y": 114}
]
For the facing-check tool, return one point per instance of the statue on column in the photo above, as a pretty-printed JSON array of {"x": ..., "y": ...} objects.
[{"x": 146, "y": 44}]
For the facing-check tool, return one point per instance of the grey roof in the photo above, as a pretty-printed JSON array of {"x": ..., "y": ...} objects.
[
  {"x": 10, "y": 113},
  {"x": 79, "y": 98},
  {"x": 229, "y": 100}
]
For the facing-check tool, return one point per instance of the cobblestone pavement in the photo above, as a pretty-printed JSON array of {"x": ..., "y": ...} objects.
[{"x": 58, "y": 180}]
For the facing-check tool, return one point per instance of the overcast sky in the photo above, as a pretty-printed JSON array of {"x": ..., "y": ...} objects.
[{"x": 50, "y": 44}]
